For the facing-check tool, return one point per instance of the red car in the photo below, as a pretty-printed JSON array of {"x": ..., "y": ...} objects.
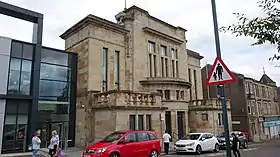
[{"x": 126, "y": 144}]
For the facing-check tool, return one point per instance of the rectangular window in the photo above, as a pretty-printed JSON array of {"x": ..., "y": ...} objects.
[
  {"x": 166, "y": 68},
  {"x": 204, "y": 117},
  {"x": 152, "y": 46},
  {"x": 150, "y": 65},
  {"x": 140, "y": 122},
  {"x": 220, "y": 119},
  {"x": 247, "y": 87},
  {"x": 117, "y": 70},
  {"x": 155, "y": 66},
  {"x": 162, "y": 66},
  {"x": 148, "y": 122},
  {"x": 163, "y": 51},
  {"x": 177, "y": 94},
  {"x": 190, "y": 80},
  {"x": 195, "y": 83},
  {"x": 173, "y": 68},
  {"x": 182, "y": 95},
  {"x": 132, "y": 122},
  {"x": 160, "y": 92},
  {"x": 249, "y": 109},
  {"x": 105, "y": 69},
  {"x": 177, "y": 69},
  {"x": 172, "y": 53},
  {"x": 167, "y": 94},
  {"x": 176, "y": 53}
]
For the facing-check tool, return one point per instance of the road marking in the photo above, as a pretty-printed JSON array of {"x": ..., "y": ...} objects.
[{"x": 223, "y": 153}]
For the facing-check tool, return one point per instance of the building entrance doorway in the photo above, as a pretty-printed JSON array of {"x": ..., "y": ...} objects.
[
  {"x": 168, "y": 125},
  {"x": 180, "y": 121},
  {"x": 46, "y": 133}
]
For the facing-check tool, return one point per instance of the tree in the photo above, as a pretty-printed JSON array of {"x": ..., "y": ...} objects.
[{"x": 263, "y": 29}]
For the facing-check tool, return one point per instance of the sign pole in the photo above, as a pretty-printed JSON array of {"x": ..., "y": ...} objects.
[{"x": 221, "y": 87}]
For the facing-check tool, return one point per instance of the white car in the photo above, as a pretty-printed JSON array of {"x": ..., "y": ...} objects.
[{"x": 197, "y": 143}]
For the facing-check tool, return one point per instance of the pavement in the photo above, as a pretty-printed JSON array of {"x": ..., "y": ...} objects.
[{"x": 264, "y": 149}]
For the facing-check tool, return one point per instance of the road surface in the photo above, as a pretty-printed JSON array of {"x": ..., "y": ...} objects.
[{"x": 267, "y": 149}]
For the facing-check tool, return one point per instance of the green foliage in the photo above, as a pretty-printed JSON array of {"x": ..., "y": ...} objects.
[{"x": 263, "y": 29}]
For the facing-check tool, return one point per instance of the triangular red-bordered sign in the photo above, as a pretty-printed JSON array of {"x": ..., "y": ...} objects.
[{"x": 219, "y": 74}]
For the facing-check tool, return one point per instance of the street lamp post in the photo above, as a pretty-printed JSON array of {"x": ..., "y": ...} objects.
[{"x": 221, "y": 87}]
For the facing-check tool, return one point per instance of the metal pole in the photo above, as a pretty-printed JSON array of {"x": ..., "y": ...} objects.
[{"x": 221, "y": 87}]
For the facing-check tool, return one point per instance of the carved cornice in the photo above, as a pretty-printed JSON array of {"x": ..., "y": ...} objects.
[
  {"x": 105, "y": 107},
  {"x": 91, "y": 19},
  {"x": 165, "y": 81},
  {"x": 162, "y": 35}
]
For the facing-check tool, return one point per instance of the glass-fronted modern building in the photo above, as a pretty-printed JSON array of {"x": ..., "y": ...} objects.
[{"x": 28, "y": 103}]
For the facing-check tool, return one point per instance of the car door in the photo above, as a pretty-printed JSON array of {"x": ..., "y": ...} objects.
[
  {"x": 128, "y": 149},
  {"x": 212, "y": 141},
  {"x": 203, "y": 143},
  {"x": 144, "y": 144}
]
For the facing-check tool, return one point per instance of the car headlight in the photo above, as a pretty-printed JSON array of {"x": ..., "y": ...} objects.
[
  {"x": 90, "y": 151},
  {"x": 190, "y": 144},
  {"x": 101, "y": 150}
]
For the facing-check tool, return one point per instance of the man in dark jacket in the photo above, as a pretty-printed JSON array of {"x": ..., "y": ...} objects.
[{"x": 235, "y": 145}]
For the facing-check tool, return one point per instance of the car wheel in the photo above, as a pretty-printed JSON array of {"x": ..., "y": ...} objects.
[
  {"x": 153, "y": 153},
  {"x": 245, "y": 145},
  {"x": 114, "y": 155},
  {"x": 198, "y": 150},
  {"x": 217, "y": 148}
]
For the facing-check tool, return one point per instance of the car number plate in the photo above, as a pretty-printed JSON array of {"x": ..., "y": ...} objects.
[{"x": 86, "y": 155}]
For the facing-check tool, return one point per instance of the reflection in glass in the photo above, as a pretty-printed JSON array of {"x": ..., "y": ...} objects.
[
  {"x": 54, "y": 72},
  {"x": 54, "y": 89},
  {"x": 54, "y": 57},
  {"x": 16, "y": 49},
  {"x": 13, "y": 87},
  {"x": 25, "y": 77}
]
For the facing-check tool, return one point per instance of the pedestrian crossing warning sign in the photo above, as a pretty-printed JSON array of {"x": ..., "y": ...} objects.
[{"x": 219, "y": 74}]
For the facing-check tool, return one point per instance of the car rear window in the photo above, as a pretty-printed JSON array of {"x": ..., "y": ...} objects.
[{"x": 152, "y": 136}]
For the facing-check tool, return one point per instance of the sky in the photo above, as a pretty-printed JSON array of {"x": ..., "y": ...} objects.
[{"x": 195, "y": 16}]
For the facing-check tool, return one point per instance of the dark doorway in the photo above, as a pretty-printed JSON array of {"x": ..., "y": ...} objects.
[
  {"x": 180, "y": 121},
  {"x": 168, "y": 125}
]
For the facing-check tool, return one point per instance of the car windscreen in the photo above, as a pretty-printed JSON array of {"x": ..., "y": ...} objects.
[
  {"x": 113, "y": 137},
  {"x": 191, "y": 137}
]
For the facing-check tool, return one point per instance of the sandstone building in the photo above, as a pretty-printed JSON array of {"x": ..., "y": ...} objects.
[{"x": 131, "y": 75}]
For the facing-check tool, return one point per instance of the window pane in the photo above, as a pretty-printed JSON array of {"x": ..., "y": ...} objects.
[
  {"x": 13, "y": 87},
  {"x": 53, "y": 107},
  {"x": 142, "y": 137},
  {"x": 54, "y": 72},
  {"x": 140, "y": 122},
  {"x": 54, "y": 57},
  {"x": 25, "y": 77},
  {"x": 132, "y": 122},
  {"x": 148, "y": 122},
  {"x": 54, "y": 89},
  {"x": 16, "y": 49},
  {"x": 28, "y": 50}
]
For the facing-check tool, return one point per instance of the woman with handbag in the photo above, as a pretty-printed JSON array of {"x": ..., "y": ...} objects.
[{"x": 54, "y": 143}]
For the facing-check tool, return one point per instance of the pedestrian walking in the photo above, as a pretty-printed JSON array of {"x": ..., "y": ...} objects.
[
  {"x": 36, "y": 141},
  {"x": 166, "y": 139},
  {"x": 235, "y": 145},
  {"x": 54, "y": 143}
]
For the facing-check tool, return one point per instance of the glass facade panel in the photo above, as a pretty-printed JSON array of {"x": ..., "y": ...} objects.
[
  {"x": 26, "y": 68},
  {"x": 54, "y": 72},
  {"x": 54, "y": 89},
  {"x": 28, "y": 51},
  {"x": 54, "y": 57},
  {"x": 16, "y": 49},
  {"x": 15, "y": 127},
  {"x": 14, "y": 76}
]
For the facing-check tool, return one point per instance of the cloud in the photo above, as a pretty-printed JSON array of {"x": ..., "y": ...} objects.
[{"x": 195, "y": 16}]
